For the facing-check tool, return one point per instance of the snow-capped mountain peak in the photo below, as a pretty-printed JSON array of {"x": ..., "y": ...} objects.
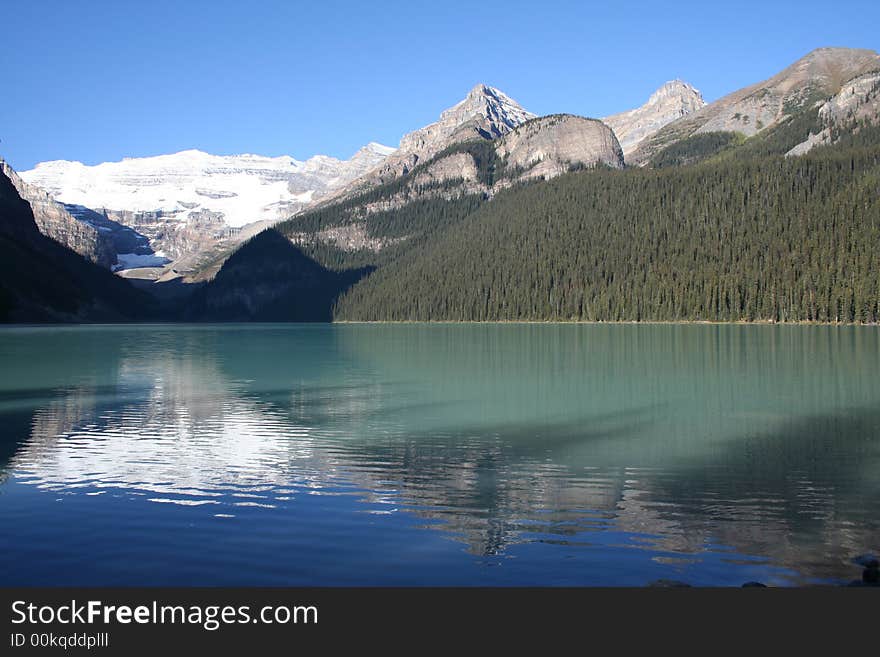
[{"x": 239, "y": 189}]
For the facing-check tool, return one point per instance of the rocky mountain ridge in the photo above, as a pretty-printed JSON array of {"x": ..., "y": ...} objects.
[
  {"x": 857, "y": 101},
  {"x": 819, "y": 75},
  {"x": 549, "y": 146},
  {"x": 540, "y": 148},
  {"x": 193, "y": 208},
  {"x": 672, "y": 101},
  {"x": 485, "y": 113}
]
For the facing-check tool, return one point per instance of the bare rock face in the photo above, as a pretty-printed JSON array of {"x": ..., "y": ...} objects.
[
  {"x": 54, "y": 221},
  {"x": 458, "y": 166},
  {"x": 172, "y": 237},
  {"x": 552, "y": 145},
  {"x": 817, "y": 76},
  {"x": 859, "y": 100},
  {"x": 485, "y": 113},
  {"x": 530, "y": 147},
  {"x": 539, "y": 148},
  {"x": 670, "y": 102},
  {"x": 544, "y": 147}
]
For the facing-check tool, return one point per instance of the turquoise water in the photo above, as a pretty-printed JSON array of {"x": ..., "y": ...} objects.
[{"x": 438, "y": 454}]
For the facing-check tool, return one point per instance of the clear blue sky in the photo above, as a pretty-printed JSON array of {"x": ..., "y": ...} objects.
[{"x": 100, "y": 80}]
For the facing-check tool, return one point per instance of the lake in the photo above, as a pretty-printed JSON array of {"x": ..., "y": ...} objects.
[{"x": 441, "y": 454}]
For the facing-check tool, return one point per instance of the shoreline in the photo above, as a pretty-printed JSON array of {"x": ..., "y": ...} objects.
[
  {"x": 670, "y": 322},
  {"x": 560, "y": 322}
]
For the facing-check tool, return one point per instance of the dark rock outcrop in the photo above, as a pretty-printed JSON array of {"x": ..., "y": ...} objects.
[
  {"x": 819, "y": 75},
  {"x": 43, "y": 281},
  {"x": 54, "y": 221}
]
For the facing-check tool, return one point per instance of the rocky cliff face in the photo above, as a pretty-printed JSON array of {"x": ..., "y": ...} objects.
[
  {"x": 485, "y": 113},
  {"x": 672, "y": 101},
  {"x": 54, "y": 221},
  {"x": 42, "y": 280},
  {"x": 543, "y": 147},
  {"x": 525, "y": 145},
  {"x": 179, "y": 243},
  {"x": 552, "y": 145},
  {"x": 819, "y": 75},
  {"x": 858, "y": 100}
]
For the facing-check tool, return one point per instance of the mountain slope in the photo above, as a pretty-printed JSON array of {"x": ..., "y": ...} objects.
[
  {"x": 485, "y": 113},
  {"x": 374, "y": 221},
  {"x": 192, "y": 204},
  {"x": 438, "y": 190},
  {"x": 672, "y": 101},
  {"x": 552, "y": 145},
  {"x": 270, "y": 279},
  {"x": 758, "y": 239},
  {"x": 857, "y": 101},
  {"x": 54, "y": 221},
  {"x": 41, "y": 280},
  {"x": 815, "y": 77}
]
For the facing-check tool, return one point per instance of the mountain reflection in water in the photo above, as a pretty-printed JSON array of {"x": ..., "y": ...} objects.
[{"x": 565, "y": 454}]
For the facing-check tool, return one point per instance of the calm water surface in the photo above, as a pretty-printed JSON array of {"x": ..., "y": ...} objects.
[{"x": 437, "y": 454}]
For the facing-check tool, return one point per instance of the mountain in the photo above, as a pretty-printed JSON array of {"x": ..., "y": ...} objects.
[
  {"x": 670, "y": 102},
  {"x": 549, "y": 146},
  {"x": 543, "y": 222},
  {"x": 810, "y": 81},
  {"x": 491, "y": 213},
  {"x": 483, "y": 144},
  {"x": 480, "y": 147},
  {"x": 379, "y": 225},
  {"x": 191, "y": 203},
  {"x": 433, "y": 161},
  {"x": 857, "y": 101},
  {"x": 485, "y": 113},
  {"x": 54, "y": 221},
  {"x": 270, "y": 279},
  {"x": 41, "y": 280},
  {"x": 376, "y": 216},
  {"x": 750, "y": 237}
]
